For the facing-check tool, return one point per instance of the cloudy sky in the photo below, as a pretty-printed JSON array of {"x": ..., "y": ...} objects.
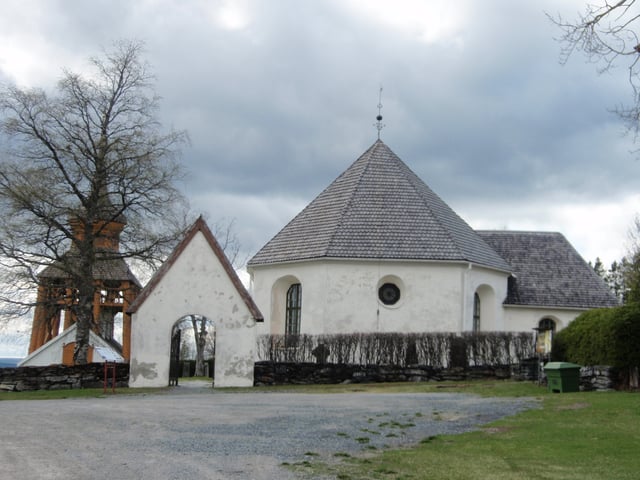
[{"x": 280, "y": 96}]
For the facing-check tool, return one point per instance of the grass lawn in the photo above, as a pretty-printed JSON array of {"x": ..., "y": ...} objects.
[
  {"x": 573, "y": 436},
  {"x": 75, "y": 393},
  {"x": 87, "y": 392}
]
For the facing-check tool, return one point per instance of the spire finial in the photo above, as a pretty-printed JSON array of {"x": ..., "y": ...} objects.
[{"x": 379, "y": 125}]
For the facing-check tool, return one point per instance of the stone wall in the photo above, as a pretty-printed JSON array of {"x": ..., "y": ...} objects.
[
  {"x": 60, "y": 377},
  {"x": 272, "y": 373},
  {"x": 57, "y": 377},
  {"x": 600, "y": 378}
]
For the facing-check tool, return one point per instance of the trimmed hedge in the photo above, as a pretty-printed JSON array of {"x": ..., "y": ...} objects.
[
  {"x": 602, "y": 337},
  {"x": 439, "y": 350}
]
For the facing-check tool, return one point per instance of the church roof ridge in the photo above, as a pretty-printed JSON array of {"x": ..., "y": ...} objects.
[{"x": 378, "y": 208}]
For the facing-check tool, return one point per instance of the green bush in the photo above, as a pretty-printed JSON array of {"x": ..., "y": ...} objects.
[
  {"x": 626, "y": 336},
  {"x": 602, "y": 337}
]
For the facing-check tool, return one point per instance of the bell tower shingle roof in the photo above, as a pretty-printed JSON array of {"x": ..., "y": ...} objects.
[{"x": 378, "y": 209}]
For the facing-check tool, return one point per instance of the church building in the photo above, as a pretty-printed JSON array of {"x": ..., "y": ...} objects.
[{"x": 379, "y": 251}]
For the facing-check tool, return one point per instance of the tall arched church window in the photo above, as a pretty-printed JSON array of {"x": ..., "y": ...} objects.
[
  {"x": 476, "y": 312},
  {"x": 547, "y": 324},
  {"x": 294, "y": 310}
]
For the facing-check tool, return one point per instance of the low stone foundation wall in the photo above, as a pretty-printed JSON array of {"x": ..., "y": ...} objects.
[
  {"x": 600, "y": 378},
  {"x": 272, "y": 373},
  {"x": 57, "y": 377},
  {"x": 60, "y": 377}
]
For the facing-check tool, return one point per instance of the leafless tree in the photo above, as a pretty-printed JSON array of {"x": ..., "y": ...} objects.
[
  {"x": 186, "y": 350},
  {"x": 74, "y": 160},
  {"x": 198, "y": 332},
  {"x": 199, "y": 324},
  {"x": 224, "y": 231},
  {"x": 607, "y": 33}
]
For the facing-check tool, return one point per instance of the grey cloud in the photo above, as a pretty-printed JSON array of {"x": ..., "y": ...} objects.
[{"x": 277, "y": 110}]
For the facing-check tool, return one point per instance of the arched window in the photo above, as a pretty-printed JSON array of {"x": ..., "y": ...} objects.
[
  {"x": 547, "y": 324},
  {"x": 294, "y": 309},
  {"x": 476, "y": 312}
]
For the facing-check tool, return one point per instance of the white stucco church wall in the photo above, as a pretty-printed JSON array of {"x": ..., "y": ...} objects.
[
  {"x": 342, "y": 296},
  {"x": 521, "y": 319},
  {"x": 491, "y": 288},
  {"x": 195, "y": 280}
]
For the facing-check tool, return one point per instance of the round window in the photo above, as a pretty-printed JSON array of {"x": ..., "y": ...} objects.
[{"x": 389, "y": 293}]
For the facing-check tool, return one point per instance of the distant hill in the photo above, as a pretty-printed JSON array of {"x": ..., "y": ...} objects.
[{"x": 8, "y": 362}]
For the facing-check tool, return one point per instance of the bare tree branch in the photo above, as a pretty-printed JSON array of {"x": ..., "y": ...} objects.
[
  {"x": 73, "y": 162},
  {"x": 607, "y": 35}
]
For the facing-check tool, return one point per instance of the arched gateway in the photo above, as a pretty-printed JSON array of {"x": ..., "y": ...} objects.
[{"x": 197, "y": 277}]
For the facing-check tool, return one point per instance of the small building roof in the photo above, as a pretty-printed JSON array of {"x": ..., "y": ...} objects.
[
  {"x": 106, "y": 267},
  {"x": 378, "y": 209},
  {"x": 548, "y": 271},
  {"x": 53, "y": 349}
]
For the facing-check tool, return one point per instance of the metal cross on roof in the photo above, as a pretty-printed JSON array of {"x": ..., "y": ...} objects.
[{"x": 379, "y": 125}]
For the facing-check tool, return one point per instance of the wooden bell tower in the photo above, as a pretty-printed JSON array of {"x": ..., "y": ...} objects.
[{"x": 115, "y": 289}]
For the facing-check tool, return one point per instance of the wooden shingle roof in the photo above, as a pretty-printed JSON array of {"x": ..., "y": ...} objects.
[
  {"x": 378, "y": 209},
  {"x": 106, "y": 267},
  {"x": 548, "y": 271}
]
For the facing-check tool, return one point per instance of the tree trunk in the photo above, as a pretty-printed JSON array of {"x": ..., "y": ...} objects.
[
  {"x": 200, "y": 335},
  {"x": 633, "y": 378},
  {"x": 81, "y": 350},
  {"x": 84, "y": 321},
  {"x": 85, "y": 290}
]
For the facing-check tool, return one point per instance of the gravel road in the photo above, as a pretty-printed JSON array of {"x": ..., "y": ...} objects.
[{"x": 199, "y": 433}]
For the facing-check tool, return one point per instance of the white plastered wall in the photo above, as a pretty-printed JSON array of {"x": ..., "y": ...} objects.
[
  {"x": 341, "y": 296},
  {"x": 196, "y": 283},
  {"x": 491, "y": 286},
  {"x": 524, "y": 319}
]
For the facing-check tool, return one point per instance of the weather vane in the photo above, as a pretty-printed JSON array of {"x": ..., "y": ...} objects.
[{"x": 379, "y": 125}]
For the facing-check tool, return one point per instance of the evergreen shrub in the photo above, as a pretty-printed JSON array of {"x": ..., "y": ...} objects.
[{"x": 607, "y": 336}]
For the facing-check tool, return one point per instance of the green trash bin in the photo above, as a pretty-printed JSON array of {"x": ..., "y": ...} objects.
[{"x": 563, "y": 377}]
